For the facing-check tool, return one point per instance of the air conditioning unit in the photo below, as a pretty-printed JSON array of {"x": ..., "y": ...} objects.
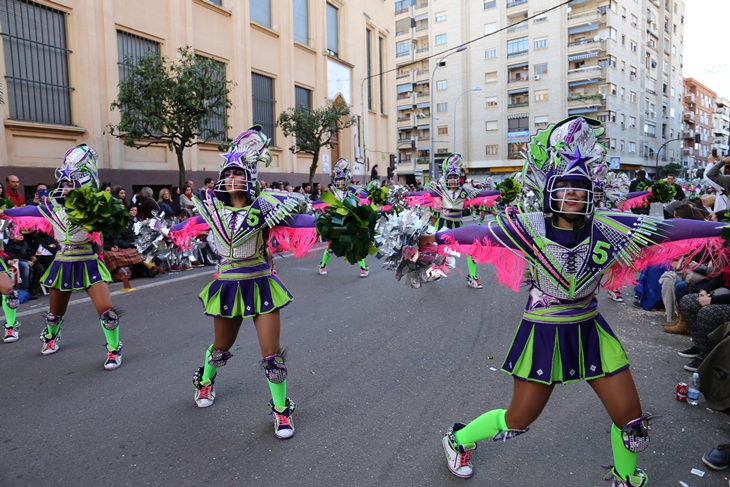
[{"x": 537, "y": 77}]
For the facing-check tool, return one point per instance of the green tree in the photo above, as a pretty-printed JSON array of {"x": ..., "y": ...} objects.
[
  {"x": 178, "y": 104},
  {"x": 314, "y": 128}
]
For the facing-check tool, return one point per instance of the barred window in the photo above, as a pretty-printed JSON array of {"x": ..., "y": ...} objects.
[
  {"x": 302, "y": 97},
  {"x": 214, "y": 127},
  {"x": 36, "y": 62},
  {"x": 132, "y": 47},
  {"x": 264, "y": 104}
]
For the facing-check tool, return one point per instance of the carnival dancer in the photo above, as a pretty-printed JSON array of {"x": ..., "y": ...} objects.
[
  {"x": 341, "y": 190},
  {"x": 562, "y": 338},
  {"x": 241, "y": 218},
  {"x": 77, "y": 265},
  {"x": 450, "y": 197}
]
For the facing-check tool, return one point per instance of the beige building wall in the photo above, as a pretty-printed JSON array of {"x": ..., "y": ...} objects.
[{"x": 226, "y": 33}]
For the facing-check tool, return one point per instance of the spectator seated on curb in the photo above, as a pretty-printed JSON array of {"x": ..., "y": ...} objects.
[
  {"x": 704, "y": 313},
  {"x": 121, "y": 256},
  {"x": 715, "y": 372},
  {"x": 29, "y": 269}
]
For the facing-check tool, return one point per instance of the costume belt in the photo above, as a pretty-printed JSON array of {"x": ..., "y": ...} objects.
[
  {"x": 237, "y": 270},
  {"x": 566, "y": 312},
  {"x": 76, "y": 252}
]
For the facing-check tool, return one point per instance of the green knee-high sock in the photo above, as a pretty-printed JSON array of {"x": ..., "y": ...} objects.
[
  {"x": 278, "y": 394},
  {"x": 363, "y": 264},
  {"x": 623, "y": 459},
  {"x": 112, "y": 337},
  {"x": 9, "y": 314},
  {"x": 472, "y": 266},
  {"x": 208, "y": 370},
  {"x": 325, "y": 259},
  {"x": 485, "y": 426}
]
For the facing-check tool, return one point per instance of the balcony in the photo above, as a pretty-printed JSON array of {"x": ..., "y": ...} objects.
[
  {"x": 405, "y": 122},
  {"x": 586, "y": 71},
  {"x": 422, "y": 5},
  {"x": 514, "y": 3},
  {"x": 519, "y": 133},
  {"x": 688, "y": 152},
  {"x": 518, "y": 105},
  {"x": 422, "y": 160},
  {"x": 424, "y": 94},
  {"x": 421, "y": 50},
  {"x": 517, "y": 28},
  {"x": 422, "y": 75},
  {"x": 589, "y": 98},
  {"x": 586, "y": 18},
  {"x": 689, "y": 98},
  {"x": 688, "y": 134},
  {"x": 519, "y": 79},
  {"x": 688, "y": 117},
  {"x": 517, "y": 53}
]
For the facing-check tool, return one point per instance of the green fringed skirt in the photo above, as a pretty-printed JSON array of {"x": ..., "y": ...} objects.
[{"x": 75, "y": 268}]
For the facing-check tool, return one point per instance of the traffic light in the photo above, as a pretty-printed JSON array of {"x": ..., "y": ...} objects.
[{"x": 391, "y": 167}]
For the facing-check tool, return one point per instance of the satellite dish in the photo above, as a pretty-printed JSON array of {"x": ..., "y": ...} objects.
[{"x": 597, "y": 39}]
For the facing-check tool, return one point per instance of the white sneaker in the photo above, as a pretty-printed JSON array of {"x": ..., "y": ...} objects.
[
  {"x": 283, "y": 424},
  {"x": 616, "y": 296},
  {"x": 11, "y": 334},
  {"x": 50, "y": 345},
  {"x": 113, "y": 357},
  {"x": 204, "y": 390},
  {"x": 323, "y": 271},
  {"x": 474, "y": 282},
  {"x": 458, "y": 458},
  {"x": 364, "y": 271}
]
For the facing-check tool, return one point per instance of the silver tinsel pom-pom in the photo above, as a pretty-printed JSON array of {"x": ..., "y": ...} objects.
[{"x": 397, "y": 240}]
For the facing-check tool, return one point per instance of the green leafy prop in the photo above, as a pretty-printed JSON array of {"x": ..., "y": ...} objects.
[
  {"x": 661, "y": 191},
  {"x": 509, "y": 190},
  {"x": 377, "y": 194},
  {"x": 5, "y": 203},
  {"x": 96, "y": 211},
  {"x": 348, "y": 226}
]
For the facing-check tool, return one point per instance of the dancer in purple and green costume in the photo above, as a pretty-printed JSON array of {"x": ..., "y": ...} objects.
[
  {"x": 341, "y": 190},
  {"x": 10, "y": 303},
  {"x": 562, "y": 338},
  {"x": 453, "y": 198},
  {"x": 240, "y": 218},
  {"x": 77, "y": 266}
]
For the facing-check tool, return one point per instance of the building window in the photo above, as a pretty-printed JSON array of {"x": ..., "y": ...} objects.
[
  {"x": 440, "y": 18},
  {"x": 492, "y": 150},
  {"x": 518, "y": 125},
  {"x": 541, "y": 43},
  {"x": 442, "y": 107},
  {"x": 261, "y": 12},
  {"x": 440, "y": 39},
  {"x": 517, "y": 47},
  {"x": 490, "y": 77},
  {"x": 264, "y": 104},
  {"x": 490, "y": 53},
  {"x": 491, "y": 101},
  {"x": 213, "y": 128},
  {"x": 132, "y": 47},
  {"x": 442, "y": 130},
  {"x": 301, "y": 21},
  {"x": 36, "y": 62},
  {"x": 632, "y": 122},
  {"x": 302, "y": 97},
  {"x": 368, "y": 66},
  {"x": 632, "y": 97},
  {"x": 489, "y": 28},
  {"x": 333, "y": 36},
  {"x": 402, "y": 48},
  {"x": 515, "y": 149},
  {"x": 621, "y": 145},
  {"x": 381, "y": 43},
  {"x": 632, "y": 146},
  {"x": 490, "y": 4},
  {"x": 441, "y": 85},
  {"x": 632, "y": 45},
  {"x": 492, "y": 125},
  {"x": 541, "y": 68},
  {"x": 542, "y": 121},
  {"x": 541, "y": 95}
]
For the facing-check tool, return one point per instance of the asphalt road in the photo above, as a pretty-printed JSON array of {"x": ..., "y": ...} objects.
[{"x": 378, "y": 372}]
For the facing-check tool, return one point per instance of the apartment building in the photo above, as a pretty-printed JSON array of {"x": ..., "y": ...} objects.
[
  {"x": 527, "y": 64},
  {"x": 61, "y": 60},
  {"x": 698, "y": 123},
  {"x": 721, "y": 125}
]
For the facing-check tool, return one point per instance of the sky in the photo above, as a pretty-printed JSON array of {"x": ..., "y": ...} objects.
[{"x": 707, "y": 45}]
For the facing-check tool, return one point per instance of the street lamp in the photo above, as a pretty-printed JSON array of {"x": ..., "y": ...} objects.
[
  {"x": 660, "y": 149},
  {"x": 432, "y": 165},
  {"x": 455, "y": 104}
]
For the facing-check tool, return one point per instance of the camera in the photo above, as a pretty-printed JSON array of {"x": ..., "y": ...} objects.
[{"x": 714, "y": 152}]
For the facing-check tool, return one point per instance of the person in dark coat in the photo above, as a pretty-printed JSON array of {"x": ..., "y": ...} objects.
[
  {"x": 145, "y": 204},
  {"x": 30, "y": 270}
]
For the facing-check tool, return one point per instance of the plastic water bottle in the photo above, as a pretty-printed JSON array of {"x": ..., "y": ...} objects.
[{"x": 693, "y": 390}]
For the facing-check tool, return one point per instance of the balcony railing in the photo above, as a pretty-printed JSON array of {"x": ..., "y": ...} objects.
[
  {"x": 585, "y": 69},
  {"x": 520, "y": 79},
  {"x": 423, "y": 160},
  {"x": 421, "y": 5},
  {"x": 517, "y": 105},
  {"x": 517, "y": 28},
  {"x": 518, "y": 133},
  {"x": 518, "y": 53},
  {"x": 423, "y": 49},
  {"x": 424, "y": 94},
  {"x": 421, "y": 27}
]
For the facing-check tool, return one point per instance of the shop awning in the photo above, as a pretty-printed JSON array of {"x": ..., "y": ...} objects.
[
  {"x": 518, "y": 91},
  {"x": 423, "y": 105},
  {"x": 518, "y": 65},
  {"x": 518, "y": 115},
  {"x": 409, "y": 127},
  {"x": 405, "y": 107}
]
